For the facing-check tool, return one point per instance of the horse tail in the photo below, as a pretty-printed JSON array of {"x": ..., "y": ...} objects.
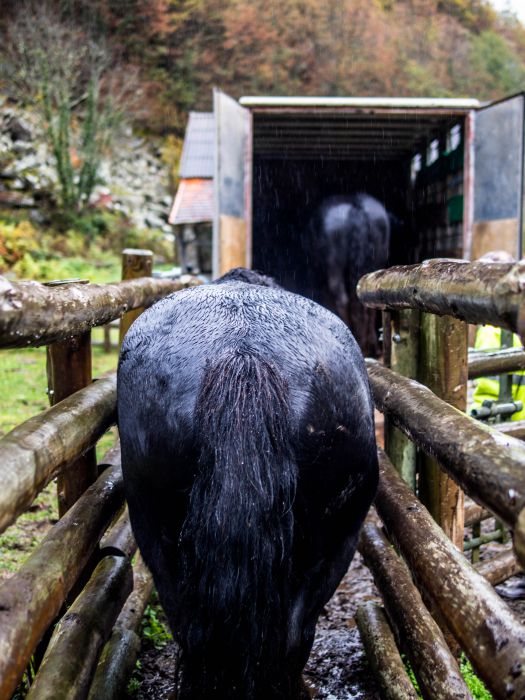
[{"x": 235, "y": 545}]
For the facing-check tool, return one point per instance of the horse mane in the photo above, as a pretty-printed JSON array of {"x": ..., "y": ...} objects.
[{"x": 242, "y": 274}]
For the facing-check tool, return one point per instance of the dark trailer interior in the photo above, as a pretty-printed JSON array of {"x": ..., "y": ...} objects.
[
  {"x": 450, "y": 171},
  {"x": 408, "y": 153}
]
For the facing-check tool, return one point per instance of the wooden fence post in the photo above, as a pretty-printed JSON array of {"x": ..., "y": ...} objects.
[
  {"x": 403, "y": 352},
  {"x": 68, "y": 371},
  {"x": 443, "y": 369},
  {"x": 135, "y": 263}
]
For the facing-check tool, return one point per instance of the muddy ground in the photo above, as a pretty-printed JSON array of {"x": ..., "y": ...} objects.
[{"x": 337, "y": 669}]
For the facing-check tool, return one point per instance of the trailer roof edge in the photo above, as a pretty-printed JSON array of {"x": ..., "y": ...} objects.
[{"x": 445, "y": 103}]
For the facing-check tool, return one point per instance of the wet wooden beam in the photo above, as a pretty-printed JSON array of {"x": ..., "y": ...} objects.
[
  {"x": 383, "y": 655},
  {"x": 31, "y": 599},
  {"x": 514, "y": 428},
  {"x": 489, "y": 363},
  {"x": 118, "y": 657},
  {"x": 36, "y": 451},
  {"x": 489, "y": 466},
  {"x": 443, "y": 369},
  {"x": 135, "y": 264},
  {"x": 33, "y": 314},
  {"x": 133, "y": 610},
  {"x": 482, "y": 538},
  {"x": 119, "y": 538},
  {"x": 500, "y": 567},
  {"x": 68, "y": 371},
  {"x": 115, "y": 666},
  {"x": 477, "y": 292},
  {"x": 474, "y": 513},
  {"x": 73, "y": 651},
  {"x": 404, "y": 351},
  {"x": 491, "y": 636},
  {"x": 433, "y": 663}
]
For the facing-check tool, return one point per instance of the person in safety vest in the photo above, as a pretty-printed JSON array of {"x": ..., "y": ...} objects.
[{"x": 490, "y": 338}]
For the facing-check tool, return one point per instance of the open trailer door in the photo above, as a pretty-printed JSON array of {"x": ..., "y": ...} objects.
[
  {"x": 498, "y": 178},
  {"x": 232, "y": 185}
]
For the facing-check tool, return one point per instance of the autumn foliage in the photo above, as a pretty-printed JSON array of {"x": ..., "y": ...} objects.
[{"x": 335, "y": 47}]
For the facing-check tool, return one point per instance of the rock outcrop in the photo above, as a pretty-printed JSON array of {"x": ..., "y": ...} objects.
[{"x": 133, "y": 181}]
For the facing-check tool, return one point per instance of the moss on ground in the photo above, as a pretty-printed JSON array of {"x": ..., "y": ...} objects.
[{"x": 474, "y": 683}]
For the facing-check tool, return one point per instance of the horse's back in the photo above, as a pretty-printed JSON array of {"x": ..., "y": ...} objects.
[{"x": 166, "y": 350}]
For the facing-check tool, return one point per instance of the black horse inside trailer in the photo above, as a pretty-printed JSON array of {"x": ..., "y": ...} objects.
[{"x": 449, "y": 171}]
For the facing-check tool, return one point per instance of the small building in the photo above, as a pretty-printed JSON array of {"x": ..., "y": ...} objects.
[{"x": 192, "y": 210}]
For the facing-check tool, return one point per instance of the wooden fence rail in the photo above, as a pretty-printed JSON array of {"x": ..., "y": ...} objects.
[
  {"x": 473, "y": 292},
  {"x": 433, "y": 663},
  {"x": 486, "y": 461},
  {"x": 383, "y": 654},
  {"x": 118, "y": 657},
  {"x": 93, "y": 647},
  {"x": 487, "y": 363},
  {"x": 34, "y": 314},
  {"x": 76, "y": 643},
  {"x": 32, "y": 598},
  {"x": 36, "y": 451},
  {"x": 493, "y": 473},
  {"x": 492, "y": 637}
]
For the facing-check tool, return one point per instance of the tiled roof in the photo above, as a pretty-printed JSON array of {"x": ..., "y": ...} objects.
[
  {"x": 193, "y": 202},
  {"x": 197, "y": 151}
]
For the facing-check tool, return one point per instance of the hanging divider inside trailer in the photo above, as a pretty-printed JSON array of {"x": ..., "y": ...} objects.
[
  {"x": 425, "y": 408},
  {"x": 85, "y": 560}
]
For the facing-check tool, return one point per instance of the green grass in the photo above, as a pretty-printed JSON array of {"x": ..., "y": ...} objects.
[
  {"x": 105, "y": 270},
  {"x": 154, "y": 632},
  {"x": 23, "y": 385},
  {"x": 23, "y": 381},
  {"x": 19, "y": 540}
]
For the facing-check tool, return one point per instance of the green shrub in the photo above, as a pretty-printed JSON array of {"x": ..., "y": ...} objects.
[
  {"x": 153, "y": 626},
  {"x": 90, "y": 223},
  {"x": 16, "y": 241},
  {"x": 150, "y": 239}
]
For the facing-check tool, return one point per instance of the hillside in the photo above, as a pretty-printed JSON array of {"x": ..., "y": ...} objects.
[
  {"x": 94, "y": 96},
  {"x": 350, "y": 47}
]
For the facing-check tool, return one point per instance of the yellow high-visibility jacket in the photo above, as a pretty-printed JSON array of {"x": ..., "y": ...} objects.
[{"x": 489, "y": 338}]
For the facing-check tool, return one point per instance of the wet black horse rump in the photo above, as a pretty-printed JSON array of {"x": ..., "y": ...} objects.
[
  {"x": 249, "y": 461},
  {"x": 348, "y": 236}
]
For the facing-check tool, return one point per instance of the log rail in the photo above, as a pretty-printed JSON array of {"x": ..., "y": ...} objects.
[
  {"x": 488, "y": 463},
  {"x": 34, "y": 314},
  {"x": 71, "y": 611},
  {"x": 476, "y": 292}
]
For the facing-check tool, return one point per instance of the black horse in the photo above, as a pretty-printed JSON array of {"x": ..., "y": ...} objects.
[
  {"x": 348, "y": 236},
  {"x": 249, "y": 460}
]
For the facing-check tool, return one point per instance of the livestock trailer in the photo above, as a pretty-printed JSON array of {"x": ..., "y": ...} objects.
[{"x": 450, "y": 171}]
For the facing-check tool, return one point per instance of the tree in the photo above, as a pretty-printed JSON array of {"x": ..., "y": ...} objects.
[{"x": 77, "y": 87}]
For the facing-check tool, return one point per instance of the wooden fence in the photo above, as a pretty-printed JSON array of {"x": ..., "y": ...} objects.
[
  {"x": 436, "y": 602},
  {"x": 72, "y": 609},
  {"x": 74, "y": 606}
]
